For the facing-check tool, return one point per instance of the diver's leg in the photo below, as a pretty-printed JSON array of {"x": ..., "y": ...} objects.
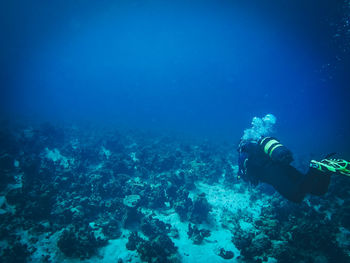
[
  {"x": 319, "y": 174},
  {"x": 286, "y": 180},
  {"x": 316, "y": 182}
]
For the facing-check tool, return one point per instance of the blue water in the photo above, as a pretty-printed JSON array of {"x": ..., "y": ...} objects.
[
  {"x": 204, "y": 68},
  {"x": 119, "y": 123}
]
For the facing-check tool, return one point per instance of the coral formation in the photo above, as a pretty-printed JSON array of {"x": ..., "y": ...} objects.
[
  {"x": 197, "y": 235},
  {"x": 86, "y": 192},
  {"x": 79, "y": 242}
]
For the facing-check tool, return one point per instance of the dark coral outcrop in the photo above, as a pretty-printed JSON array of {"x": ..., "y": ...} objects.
[{"x": 79, "y": 242}]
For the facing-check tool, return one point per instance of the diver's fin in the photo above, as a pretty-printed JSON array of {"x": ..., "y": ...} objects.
[
  {"x": 332, "y": 165},
  {"x": 321, "y": 166}
]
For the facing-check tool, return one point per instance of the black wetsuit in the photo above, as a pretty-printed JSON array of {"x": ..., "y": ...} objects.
[{"x": 256, "y": 166}]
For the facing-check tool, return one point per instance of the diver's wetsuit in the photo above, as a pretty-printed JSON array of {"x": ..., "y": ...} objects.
[{"x": 256, "y": 166}]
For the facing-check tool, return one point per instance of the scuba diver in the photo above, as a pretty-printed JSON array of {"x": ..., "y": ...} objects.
[{"x": 264, "y": 159}]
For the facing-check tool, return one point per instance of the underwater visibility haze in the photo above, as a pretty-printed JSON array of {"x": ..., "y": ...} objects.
[
  {"x": 120, "y": 123},
  {"x": 191, "y": 66}
]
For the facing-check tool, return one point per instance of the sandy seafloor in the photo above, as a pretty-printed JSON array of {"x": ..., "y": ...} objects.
[
  {"x": 220, "y": 237},
  {"x": 206, "y": 252},
  {"x": 63, "y": 185},
  {"x": 220, "y": 199}
]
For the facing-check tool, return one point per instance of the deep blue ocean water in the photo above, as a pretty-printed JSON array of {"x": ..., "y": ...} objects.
[
  {"x": 119, "y": 123},
  {"x": 200, "y": 67}
]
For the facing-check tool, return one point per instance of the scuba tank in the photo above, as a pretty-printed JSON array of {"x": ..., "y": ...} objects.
[{"x": 275, "y": 150}]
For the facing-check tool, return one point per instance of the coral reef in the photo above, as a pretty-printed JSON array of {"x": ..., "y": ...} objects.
[
  {"x": 79, "y": 242},
  {"x": 197, "y": 235},
  {"x": 159, "y": 248},
  {"x": 78, "y": 191},
  {"x": 226, "y": 254}
]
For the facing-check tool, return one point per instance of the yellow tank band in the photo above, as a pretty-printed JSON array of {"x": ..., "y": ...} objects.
[
  {"x": 278, "y": 145},
  {"x": 269, "y": 144},
  {"x": 262, "y": 141}
]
